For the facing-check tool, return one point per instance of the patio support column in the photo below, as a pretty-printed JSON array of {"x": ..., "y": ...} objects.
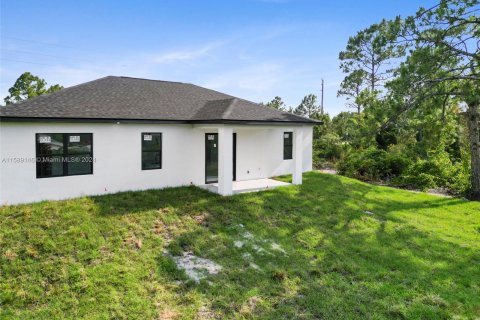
[
  {"x": 225, "y": 160},
  {"x": 297, "y": 155}
]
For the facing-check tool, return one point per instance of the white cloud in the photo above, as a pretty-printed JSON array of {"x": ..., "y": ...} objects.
[{"x": 185, "y": 55}]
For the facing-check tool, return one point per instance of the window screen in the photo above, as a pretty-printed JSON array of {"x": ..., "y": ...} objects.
[
  {"x": 287, "y": 145},
  {"x": 151, "y": 151}
]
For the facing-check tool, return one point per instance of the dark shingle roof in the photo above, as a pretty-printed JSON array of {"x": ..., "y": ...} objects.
[{"x": 141, "y": 99}]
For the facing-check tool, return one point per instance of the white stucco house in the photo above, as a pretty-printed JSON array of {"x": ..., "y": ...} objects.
[{"x": 119, "y": 133}]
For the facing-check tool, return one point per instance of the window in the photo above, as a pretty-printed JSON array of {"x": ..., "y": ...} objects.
[
  {"x": 151, "y": 151},
  {"x": 287, "y": 145},
  {"x": 63, "y": 154}
]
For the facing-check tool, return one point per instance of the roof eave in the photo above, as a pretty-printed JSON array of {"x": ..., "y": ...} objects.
[
  {"x": 277, "y": 122},
  {"x": 86, "y": 120},
  {"x": 129, "y": 120}
]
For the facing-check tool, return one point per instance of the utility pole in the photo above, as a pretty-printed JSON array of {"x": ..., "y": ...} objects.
[{"x": 321, "y": 106}]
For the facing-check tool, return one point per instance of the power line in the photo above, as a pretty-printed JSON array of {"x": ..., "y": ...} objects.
[
  {"x": 41, "y": 42},
  {"x": 38, "y": 53},
  {"x": 86, "y": 55},
  {"x": 29, "y": 62}
]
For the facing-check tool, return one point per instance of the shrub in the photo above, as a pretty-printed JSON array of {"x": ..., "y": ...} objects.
[
  {"x": 422, "y": 181},
  {"x": 394, "y": 165},
  {"x": 439, "y": 171},
  {"x": 373, "y": 164},
  {"x": 397, "y": 163},
  {"x": 328, "y": 147}
]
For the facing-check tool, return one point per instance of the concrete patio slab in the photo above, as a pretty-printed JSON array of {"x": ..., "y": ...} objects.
[{"x": 248, "y": 185}]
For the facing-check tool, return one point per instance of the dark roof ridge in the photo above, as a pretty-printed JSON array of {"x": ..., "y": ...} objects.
[
  {"x": 229, "y": 109},
  {"x": 258, "y": 104},
  {"x": 156, "y": 80}
]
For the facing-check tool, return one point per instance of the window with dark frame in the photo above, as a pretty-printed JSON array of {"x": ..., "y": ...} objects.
[
  {"x": 151, "y": 151},
  {"x": 287, "y": 145},
  {"x": 63, "y": 154}
]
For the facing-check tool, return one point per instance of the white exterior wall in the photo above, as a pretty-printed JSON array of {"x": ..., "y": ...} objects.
[
  {"x": 260, "y": 152},
  {"x": 117, "y": 154}
]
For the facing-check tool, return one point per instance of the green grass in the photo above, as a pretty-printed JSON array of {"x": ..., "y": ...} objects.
[{"x": 416, "y": 257}]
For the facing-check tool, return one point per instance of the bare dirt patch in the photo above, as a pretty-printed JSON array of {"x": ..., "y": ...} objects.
[
  {"x": 328, "y": 171},
  {"x": 133, "y": 241},
  {"x": 168, "y": 314},
  {"x": 195, "y": 267},
  {"x": 202, "y": 218}
]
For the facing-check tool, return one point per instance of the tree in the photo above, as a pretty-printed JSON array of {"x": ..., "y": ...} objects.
[
  {"x": 308, "y": 107},
  {"x": 54, "y": 88},
  {"x": 350, "y": 87},
  {"x": 300, "y": 111},
  {"x": 345, "y": 125},
  {"x": 444, "y": 60},
  {"x": 28, "y": 86},
  {"x": 276, "y": 103},
  {"x": 366, "y": 60},
  {"x": 326, "y": 126}
]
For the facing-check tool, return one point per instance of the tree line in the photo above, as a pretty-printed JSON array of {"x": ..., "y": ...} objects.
[
  {"x": 414, "y": 85},
  {"x": 308, "y": 107}
]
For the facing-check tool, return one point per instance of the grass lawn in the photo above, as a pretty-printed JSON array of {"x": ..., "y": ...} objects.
[{"x": 307, "y": 251}]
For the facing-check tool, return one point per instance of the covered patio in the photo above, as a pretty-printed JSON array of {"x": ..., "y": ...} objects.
[{"x": 221, "y": 141}]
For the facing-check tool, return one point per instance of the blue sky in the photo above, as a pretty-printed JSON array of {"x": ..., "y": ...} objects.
[{"x": 254, "y": 49}]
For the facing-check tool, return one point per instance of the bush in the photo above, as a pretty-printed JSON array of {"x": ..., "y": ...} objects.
[
  {"x": 328, "y": 147},
  {"x": 439, "y": 171},
  {"x": 422, "y": 181},
  {"x": 397, "y": 163},
  {"x": 373, "y": 164},
  {"x": 395, "y": 166}
]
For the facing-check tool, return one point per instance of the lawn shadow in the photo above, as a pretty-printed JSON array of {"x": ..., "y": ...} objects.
[{"x": 181, "y": 198}]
